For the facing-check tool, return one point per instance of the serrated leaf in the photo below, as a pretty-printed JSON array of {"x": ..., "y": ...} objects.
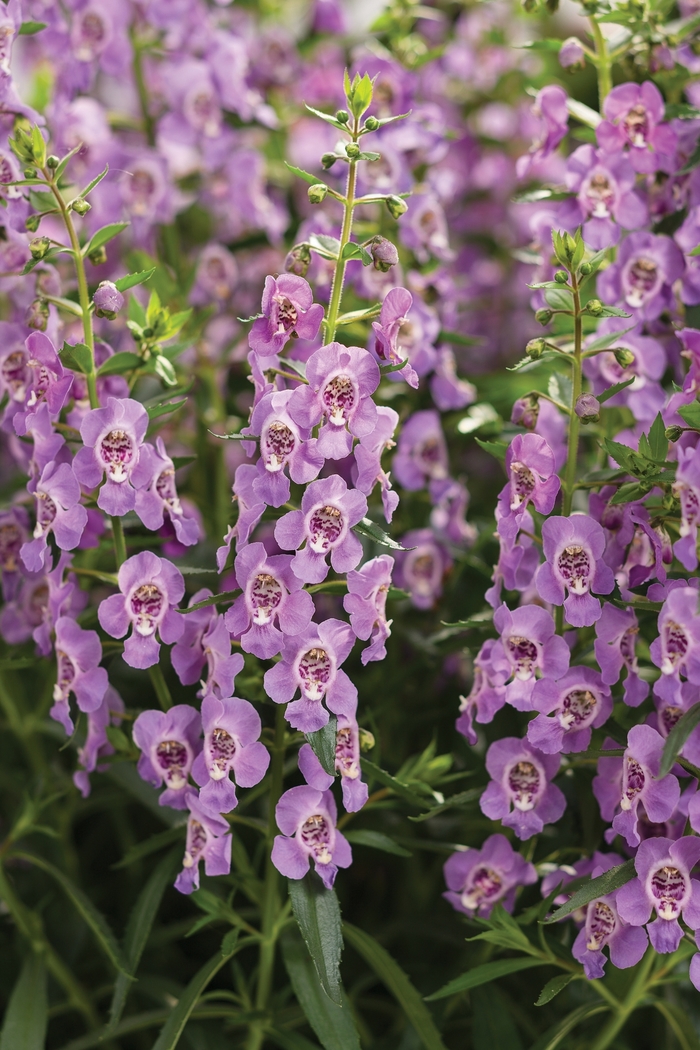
[
  {"x": 306, "y": 175},
  {"x": 323, "y": 743},
  {"x": 324, "y": 245},
  {"x": 30, "y": 28},
  {"x": 369, "y": 155},
  {"x": 399, "y": 788},
  {"x": 376, "y": 840},
  {"x": 484, "y": 975},
  {"x": 613, "y": 311},
  {"x": 676, "y": 739},
  {"x": 124, "y": 361},
  {"x": 558, "y": 298},
  {"x": 612, "y": 390},
  {"x": 27, "y": 1013},
  {"x": 175, "y": 1025},
  {"x": 155, "y": 411},
  {"x": 658, "y": 441},
  {"x": 620, "y": 453},
  {"x": 328, "y": 118},
  {"x": 95, "y": 182},
  {"x": 494, "y": 448},
  {"x": 164, "y": 368},
  {"x": 607, "y": 882},
  {"x": 104, "y": 236},
  {"x": 77, "y": 357},
  {"x": 631, "y": 492},
  {"x": 691, "y": 414},
  {"x": 317, "y": 912},
  {"x": 553, "y": 987},
  {"x": 333, "y": 1024},
  {"x": 367, "y": 528},
  {"x": 130, "y": 281}
]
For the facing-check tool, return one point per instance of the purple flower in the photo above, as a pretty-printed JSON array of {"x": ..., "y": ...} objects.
[
  {"x": 603, "y": 926},
  {"x": 677, "y": 649},
  {"x": 31, "y": 375},
  {"x": 156, "y": 494},
  {"x": 78, "y": 656},
  {"x": 668, "y": 712},
  {"x": 528, "y": 644},
  {"x": 205, "y": 640},
  {"x": 616, "y": 637},
  {"x": 341, "y": 381},
  {"x": 365, "y": 603},
  {"x": 645, "y": 396},
  {"x": 686, "y": 488},
  {"x": 311, "y": 663},
  {"x": 605, "y": 197},
  {"x": 664, "y": 885},
  {"x": 347, "y": 763},
  {"x": 520, "y": 794},
  {"x": 112, "y": 438},
  {"x": 573, "y": 551},
  {"x": 422, "y": 452},
  {"x": 640, "y": 769},
  {"x": 108, "y": 300},
  {"x": 394, "y": 330},
  {"x": 553, "y": 118},
  {"x": 231, "y": 744},
  {"x": 634, "y": 115},
  {"x": 448, "y": 516},
  {"x": 570, "y": 709},
  {"x": 571, "y": 53},
  {"x": 421, "y": 567},
  {"x": 150, "y": 588},
  {"x": 96, "y": 744},
  {"x": 58, "y": 510},
  {"x": 251, "y": 508},
  {"x": 328, "y": 512},
  {"x": 208, "y": 839},
  {"x": 288, "y": 309},
  {"x": 169, "y": 743},
  {"x": 307, "y": 819},
  {"x": 368, "y": 458},
  {"x": 282, "y": 443},
  {"x": 271, "y": 592},
  {"x": 532, "y": 478},
  {"x": 517, "y": 563},
  {"x": 642, "y": 275},
  {"x": 478, "y": 878},
  {"x": 487, "y": 696}
]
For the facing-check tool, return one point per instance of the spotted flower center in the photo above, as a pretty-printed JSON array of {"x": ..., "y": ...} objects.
[
  {"x": 172, "y": 758},
  {"x": 339, "y": 399},
  {"x": 222, "y": 748},
  {"x": 165, "y": 487},
  {"x": 196, "y": 842},
  {"x": 523, "y": 655},
  {"x": 325, "y": 528},
  {"x": 147, "y": 603},
  {"x": 669, "y": 717},
  {"x": 636, "y": 125},
  {"x": 316, "y": 836},
  {"x": 483, "y": 886},
  {"x": 643, "y": 280},
  {"x": 16, "y": 375},
  {"x": 524, "y": 784},
  {"x": 346, "y": 759},
  {"x": 287, "y": 314},
  {"x": 628, "y": 644},
  {"x": 422, "y": 571},
  {"x": 578, "y": 709},
  {"x": 45, "y": 514},
  {"x": 430, "y": 457},
  {"x": 674, "y": 642},
  {"x": 64, "y": 677},
  {"x": 279, "y": 445},
  {"x": 265, "y": 596},
  {"x": 575, "y": 568},
  {"x": 10, "y": 543},
  {"x": 600, "y": 925},
  {"x": 315, "y": 669},
  {"x": 92, "y": 36},
  {"x": 599, "y": 196},
  {"x": 141, "y": 188},
  {"x": 669, "y": 887},
  {"x": 522, "y": 484},
  {"x": 203, "y": 112},
  {"x": 690, "y": 506},
  {"x": 633, "y": 781},
  {"x": 117, "y": 452}
]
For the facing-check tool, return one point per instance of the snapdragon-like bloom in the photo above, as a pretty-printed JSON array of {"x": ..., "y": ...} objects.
[
  {"x": 616, "y": 637},
  {"x": 479, "y": 878},
  {"x": 634, "y": 115},
  {"x": 664, "y": 885},
  {"x": 686, "y": 488},
  {"x": 112, "y": 438},
  {"x": 603, "y": 927},
  {"x": 553, "y": 118},
  {"x": 570, "y": 708},
  {"x": 169, "y": 742},
  {"x": 150, "y": 588},
  {"x": 31, "y": 375},
  {"x": 97, "y": 744},
  {"x": 328, "y": 512},
  {"x": 251, "y": 508},
  {"x": 573, "y": 550},
  {"x": 311, "y": 663},
  {"x": 156, "y": 494},
  {"x": 640, "y": 770},
  {"x": 668, "y": 713},
  {"x": 340, "y": 383},
  {"x": 532, "y": 478},
  {"x": 347, "y": 762},
  {"x": 487, "y": 695},
  {"x": 644, "y": 396},
  {"x": 231, "y": 744},
  {"x": 58, "y": 510},
  {"x": 421, "y": 455},
  {"x": 520, "y": 794},
  {"x": 605, "y": 197},
  {"x": 307, "y": 819},
  {"x": 393, "y": 324},
  {"x": 283, "y": 443},
  {"x": 271, "y": 592},
  {"x": 206, "y": 640},
  {"x": 528, "y": 645},
  {"x": 642, "y": 276},
  {"x": 421, "y": 567},
  {"x": 78, "y": 656},
  {"x": 365, "y": 603},
  {"x": 208, "y": 840},
  {"x": 288, "y": 309},
  {"x": 368, "y": 458},
  {"x": 676, "y": 650}
]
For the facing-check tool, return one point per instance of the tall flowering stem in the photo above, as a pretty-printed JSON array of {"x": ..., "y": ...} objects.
[
  {"x": 603, "y": 62},
  {"x": 576, "y": 382},
  {"x": 331, "y": 321}
]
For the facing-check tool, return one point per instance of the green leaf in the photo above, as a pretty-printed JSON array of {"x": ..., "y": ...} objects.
[
  {"x": 151, "y": 845},
  {"x": 155, "y": 411},
  {"x": 333, "y": 1024},
  {"x": 77, "y": 357},
  {"x": 104, "y": 235},
  {"x": 360, "y": 97},
  {"x": 94, "y": 919},
  {"x": 620, "y": 453},
  {"x": 553, "y": 1038},
  {"x": 175, "y": 1025},
  {"x": 290, "y": 1040},
  {"x": 164, "y": 368},
  {"x": 553, "y": 987},
  {"x": 679, "y": 1022},
  {"x": 91, "y": 185},
  {"x": 38, "y": 146},
  {"x": 675, "y": 740},
  {"x": 494, "y": 448},
  {"x": 27, "y": 1013},
  {"x": 484, "y": 975},
  {"x": 213, "y": 600},
  {"x": 329, "y": 119},
  {"x": 66, "y": 160},
  {"x": 534, "y": 196},
  {"x": 630, "y": 492},
  {"x": 30, "y": 28},
  {"x": 613, "y": 311},
  {"x": 324, "y": 245},
  {"x": 356, "y": 251},
  {"x": 558, "y": 298},
  {"x": 658, "y": 440},
  {"x": 391, "y": 974},
  {"x": 462, "y": 798},
  {"x": 692, "y": 161},
  {"x": 124, "y": 361},
  {"x": 228, "y": 945},
  {"x": 396, "y": 786},
  {"x": 376, "y": 840},
  {"x": 317, "y": 912},
  {"x": 607, "y": 882},
  {"x": 130, "y": 281},
  {"x": 612, "y": 390},
  {"x": 323, "y": 743},
  {"x": 691, "y": 414},
  {"x": 306, "y": 175},
  {"x": 493, "y": 1027},
  {"x": 504, "y": 931},
  {"x": 367, "y": 528}
]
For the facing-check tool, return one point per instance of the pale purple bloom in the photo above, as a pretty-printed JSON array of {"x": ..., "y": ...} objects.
[
  {"x": 686, "y": 488},
  {"x": 251, "y": 508},
  {"x": 553, "y": 117},
  {"x": 634, "y": 115},
  {"x": 282, "y": 443},
  {"x": 205, "y": 640},
  {"x": 169, "y": 742},
  {"x": 365, "y": 603},
  {"x": 479, "y": 878},
  {"x": 532, "y": 478},
  {"x": 32, "y": 374},
  {"x": 328, "y": 512},
  {"x": 340, "y": 383},
  {"x": 399, "y": 337},
  {"x": 311, "y": 663},
  {"x": 677, "y": 649},
  {"x": 669, "y": 711},
  {"x": 150, "y": 589},
  {"x": 448, "y": 390},
  {"x": 564, "y": 873},
  {"x": 616, "y": 638},
  {"x": 520, "y": 794},
  {"x": 78, "y": 656},
  {"x": 96, "y": 744},
  {"x": 307, "y": 819},
  {"x": 347, "y": 762},
  {"x": 421, "y": 567},
  {"x": 208, "y": 839},
  {"x": 216, "y": 276},
  {"x": 664, "y": 885},
  {"x": 113, "y": 437},
  {"x": 288, "y": 308},
  {"x": 448, "y": 516},
  {"x": 58, "y": 510},
  {"x": 644, "y": 396},
  {"x": 108, "y": 300},
  {"x": 604, "y": 926},
  {"x": 571, "y": 53},
  {"x": 573, "y": 551},
  {"x": 570, "y": 708},
  {"x": 271, "y": 592},
  {"x": 640, "y": 279},
  {"x": 43, "y": 599},
  {"x": 639, "y": 784},
  {"x": 605, "y": 197},
  {"x": 232, "y": 730},
  {"x": 47, "y": 445},
  {"x": 156, "y": 494},
  {"x": 368, "y": 458},
  {"x": 422, "y": 453},
  {"x": 528, "y": 644},
  {"x": 487, "y": 695}
]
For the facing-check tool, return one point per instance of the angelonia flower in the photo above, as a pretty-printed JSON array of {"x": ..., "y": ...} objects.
[
  {"x": 231, "y": 745},
  {"x": 156, "y": 495},
  {"x": 283, "y": 443},
  {"x": 169, "y": 743},
  {"x": 365, "y": 603},
  {"x": 663, "y": 885},
  {"x": 616, "y": 636},
  {"x": 78, "y": 655},
  {"x": 520, "y": 793},
  {"x": 532, "y": 478},
  {"x": 112, "y": 440},
  {"x": 487, "y": 695},
  {"x": 323, "y": 526},
  {"x": 527, "y": 646},
  {"x": 478, "y": 879},
  {"x": 287, "y": 309},
  {"x": 569, "y": 709},
  {"x": 604, "y": 928},
  {"x": 307, "y": 819},
  {"x": 58, "y": 511},
  {"x": 573, "y": 549},
  {"x": 208, "y": 840},
  {"x": 640, "y": 784}
]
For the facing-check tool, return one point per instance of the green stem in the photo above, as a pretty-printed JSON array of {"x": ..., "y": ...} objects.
[
  {"x": 339, "y": 275},
  {"x": 161, "y": 687},
  {"x": 636, "y": 993},
  {"x": 119, "y": 541},
  {"x": 604, "y": 62},
  {"x": 574, "y": 421},
  {"x": 142, "y": 90}
]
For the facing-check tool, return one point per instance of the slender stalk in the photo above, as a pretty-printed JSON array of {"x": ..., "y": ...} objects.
[
  {"x": 603, "y": 63},
  {"x": 339, "y": 275},
  {"x": 119, "y": 541},
  {"x": 161, "y": 687},
  {"x": 574, "y": 421},
  {"x": 140, "y": 81},
  {"x": 636, "y": 993}
]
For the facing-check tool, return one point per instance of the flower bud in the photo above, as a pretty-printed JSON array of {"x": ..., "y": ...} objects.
[
  {"x": 586, "y": 269},
  {"x": 624, "y": 357},
  {"x": 569, "y": 244},
  {"x": 587, "y": 408},
  {"x": 342, "y": 116},
  {"x": 384, "y": 254},
  {"x": 352, "y": 150},
  {"x": 318, "y": 192},
  {"x": 594, "y": 307},
  {"x": 52, "y": 161},
  {"x": 29, "y": 173},
  {"x": 673, "y": 433},
  {"x": 535, "y": 348},
  {"x": 108, "y": 300},
  {"x": 98, "y": 256},
  {"x": 80, "y": 206},
  {"x": 328, "y": 160},
  {"x": 571, "y": 54},
  {"x": 525, "y": 412},
  {"x": 366, "y": 739},
  {"x": 543, "y": 316},
  {"x": 37, "y": 315},
  {"x": 32, "y": 223},
  {"x": 397, "y": 206},
  {"x": 561, "y": 277},
  {"x": 371, "y": 123},
  {"x": 298, "y": 260},
  {"x": 39, "y": 246}
]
